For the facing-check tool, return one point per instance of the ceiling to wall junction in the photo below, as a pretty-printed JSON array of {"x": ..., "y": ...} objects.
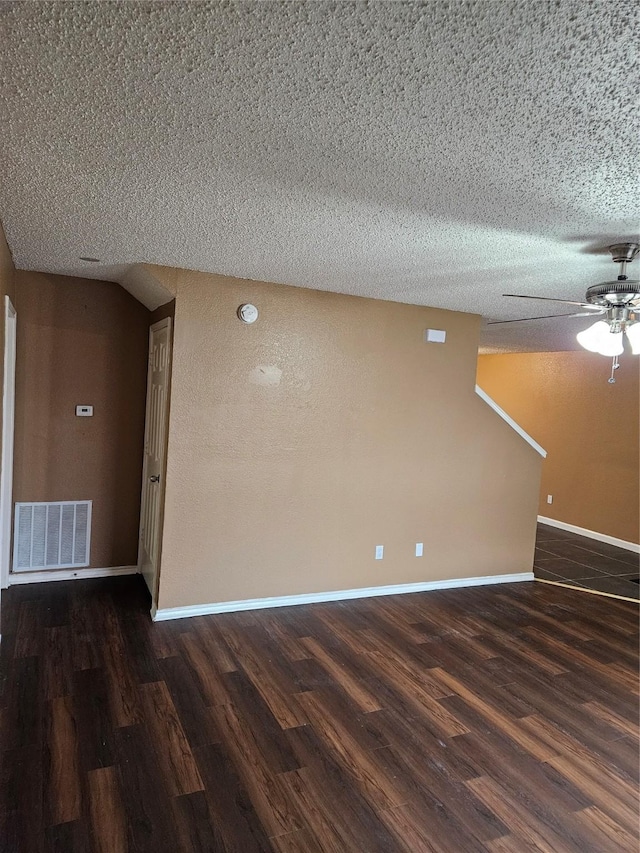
[{"x": 438, "y": 153}]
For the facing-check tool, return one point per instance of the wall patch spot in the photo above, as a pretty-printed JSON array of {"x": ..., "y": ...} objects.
[{"x": 266, "y": 374}]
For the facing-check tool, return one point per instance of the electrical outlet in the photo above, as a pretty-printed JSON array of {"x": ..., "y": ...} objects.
[
  {"x": 549, "y": 499},
  {"x": 379, "y": 552},
  {"x": 419, "y": 547}
]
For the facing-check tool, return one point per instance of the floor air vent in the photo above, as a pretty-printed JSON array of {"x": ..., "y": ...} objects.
[{"x": 54, "y": 535}]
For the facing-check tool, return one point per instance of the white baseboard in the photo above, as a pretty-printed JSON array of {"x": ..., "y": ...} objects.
[
  {"x": 574, "y": 588},
  {"x": 70, "y": 574},
  {"x": 590, "y": 534},
  {"x": 160, "y": 615}
]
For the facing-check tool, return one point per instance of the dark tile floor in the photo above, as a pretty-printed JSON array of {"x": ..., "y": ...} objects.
[{"x": 567, "y": 558}]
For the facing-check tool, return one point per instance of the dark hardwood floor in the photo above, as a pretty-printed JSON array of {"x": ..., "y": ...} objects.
[
  {"x": 498, "y": 719},
  {"x": 567, "y": 558}
]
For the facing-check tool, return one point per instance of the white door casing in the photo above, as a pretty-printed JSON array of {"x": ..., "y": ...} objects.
[
  {"x": 153, "y": 469},
  {"x": 8, "y": 418}
]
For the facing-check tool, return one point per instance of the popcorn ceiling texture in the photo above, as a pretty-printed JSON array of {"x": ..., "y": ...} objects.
[{"x": 437, "y": 153}]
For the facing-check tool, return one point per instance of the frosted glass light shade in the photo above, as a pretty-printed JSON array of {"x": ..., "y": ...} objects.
[
  {"x": 612, "y": 344},
  {"x": 598, "y": 338},
  {"x": 592, "y": 337},
  {"x": 633, "y": 334}
]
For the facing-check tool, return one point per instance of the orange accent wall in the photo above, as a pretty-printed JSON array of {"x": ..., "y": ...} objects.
[
  {"x": 588, "y": 427},
  {"x": 82, "y": 341}
]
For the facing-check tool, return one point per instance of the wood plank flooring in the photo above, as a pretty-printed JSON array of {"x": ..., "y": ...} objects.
[{"x": 500, "y": 719}]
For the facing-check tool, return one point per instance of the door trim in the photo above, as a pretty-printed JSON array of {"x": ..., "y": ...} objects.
[
  {"x": 8, "y": 426},
  {"x": 156, "y": 327}
]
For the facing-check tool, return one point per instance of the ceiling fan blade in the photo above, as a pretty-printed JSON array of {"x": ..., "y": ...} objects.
[
  {"x": 549, "y": 299},
  {"x": 544, "y": 317}
]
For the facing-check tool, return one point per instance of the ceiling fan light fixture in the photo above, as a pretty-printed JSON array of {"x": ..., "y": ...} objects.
[
  {"x": 593, "y": 338},
  {"x": 602, "y": 338},
  {"x": 619, "y": 300},
  {"x": 633, "y": 336},
  {"x": 612, "y": 344}
]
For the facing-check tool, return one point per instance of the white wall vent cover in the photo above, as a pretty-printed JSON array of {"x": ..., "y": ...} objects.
[{"x": 54, "y": 535}]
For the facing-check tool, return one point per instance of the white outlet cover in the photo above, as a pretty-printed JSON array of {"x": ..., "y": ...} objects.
[
  {"x": 419, "y": 549},
  {"x": 549, "y": 499},
  {"x": 435, "y": 336},
  {"x": 379, "y": 552},
  {"x": 84, "y": 411}
]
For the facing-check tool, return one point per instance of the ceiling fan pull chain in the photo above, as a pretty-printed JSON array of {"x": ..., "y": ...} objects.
[{"x": 614, "y": 366}]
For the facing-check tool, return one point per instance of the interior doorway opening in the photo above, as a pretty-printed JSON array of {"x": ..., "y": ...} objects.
[
  {"x": 8, "y": 427},
  {"x": 155, "y": 450}
]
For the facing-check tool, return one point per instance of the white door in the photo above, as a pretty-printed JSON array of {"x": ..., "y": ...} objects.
[
  {"x": 154, "y": 454},
  {"x": 8, "y": 413}
]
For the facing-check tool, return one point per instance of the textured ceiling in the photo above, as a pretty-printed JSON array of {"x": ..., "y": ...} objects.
[{"x": 439, "y": 153}]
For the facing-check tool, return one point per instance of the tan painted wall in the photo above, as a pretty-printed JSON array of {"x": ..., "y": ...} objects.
[
  {"x": 82, "y": 342},
  {"x": 588, "y": 427},
  {"x": 283, "y": 483}
]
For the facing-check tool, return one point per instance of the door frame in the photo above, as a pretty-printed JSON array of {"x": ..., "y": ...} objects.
[
  {"x": 8, "y": 426},
  {"x": 161, "y": 324}
]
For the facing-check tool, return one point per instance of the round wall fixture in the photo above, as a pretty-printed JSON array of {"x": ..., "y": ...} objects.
[{"x": 248, "y": 313}]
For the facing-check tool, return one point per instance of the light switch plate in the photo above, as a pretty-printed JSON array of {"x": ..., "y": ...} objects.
[
  {"x": 419, "y": 549},
  {"x": 379, "y": 552},
  {"x": 84, "y": 411}
]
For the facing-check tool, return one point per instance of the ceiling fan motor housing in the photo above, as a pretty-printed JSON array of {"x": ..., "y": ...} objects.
[
  {"x": 624, "y": 252},
  {"x": 611, "y": 293}
]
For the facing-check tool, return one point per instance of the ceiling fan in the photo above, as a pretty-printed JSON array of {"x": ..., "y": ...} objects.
[{"x": 617, "y": 302}]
